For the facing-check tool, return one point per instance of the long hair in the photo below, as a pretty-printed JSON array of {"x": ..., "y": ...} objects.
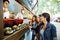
[
  {"x": 35, "y": 17},
  {"x": 47, "y": 16}
]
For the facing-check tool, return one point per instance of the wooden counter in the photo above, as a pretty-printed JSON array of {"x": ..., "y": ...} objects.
[{"x": 16, "y": 35}]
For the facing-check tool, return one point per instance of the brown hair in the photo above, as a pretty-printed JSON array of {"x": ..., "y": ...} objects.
[{"x": 35, "y": 17}]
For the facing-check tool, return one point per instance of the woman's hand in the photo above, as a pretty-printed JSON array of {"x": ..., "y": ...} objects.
[{"x": 36, "y": 38}]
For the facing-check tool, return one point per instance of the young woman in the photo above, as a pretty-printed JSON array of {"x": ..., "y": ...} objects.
[
  {"x": 34, "y": 25},
  {"x": 47, "y": 31},
  {"x": 38, "y": 22},
  {"x": 36, "y": 32}
]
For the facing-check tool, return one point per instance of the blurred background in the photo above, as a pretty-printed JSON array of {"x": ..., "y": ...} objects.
[{"x": 37, "y": 7}]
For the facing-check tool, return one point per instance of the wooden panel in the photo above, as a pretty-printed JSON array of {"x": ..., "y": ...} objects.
[{"x": 1, "y": 20}]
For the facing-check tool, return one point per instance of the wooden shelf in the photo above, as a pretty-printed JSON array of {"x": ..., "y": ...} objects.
[{"x": 16, "y": 35}]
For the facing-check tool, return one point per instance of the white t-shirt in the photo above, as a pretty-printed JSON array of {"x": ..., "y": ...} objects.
[
  {"x": 6, "y": 14},
  {"x": 19, "y": 15},
  {"x": 42, "y": 34}
]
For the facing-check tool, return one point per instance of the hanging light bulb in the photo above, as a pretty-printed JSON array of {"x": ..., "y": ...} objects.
[{"x": 23, "y": 11}]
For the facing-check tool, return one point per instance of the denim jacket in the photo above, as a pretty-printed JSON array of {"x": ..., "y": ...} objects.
[{"x": 49, "y": 32}]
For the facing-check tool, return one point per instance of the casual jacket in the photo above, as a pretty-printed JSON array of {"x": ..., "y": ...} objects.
[{"x": 49, "y": 32}]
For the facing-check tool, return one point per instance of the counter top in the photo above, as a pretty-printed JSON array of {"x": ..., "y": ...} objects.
[{"x": 16, "y": 35}]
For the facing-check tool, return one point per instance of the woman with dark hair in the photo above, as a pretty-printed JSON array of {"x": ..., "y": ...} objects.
[
  {"x": 46, "y": 31},
  {"x": 36, "y": 29}
]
